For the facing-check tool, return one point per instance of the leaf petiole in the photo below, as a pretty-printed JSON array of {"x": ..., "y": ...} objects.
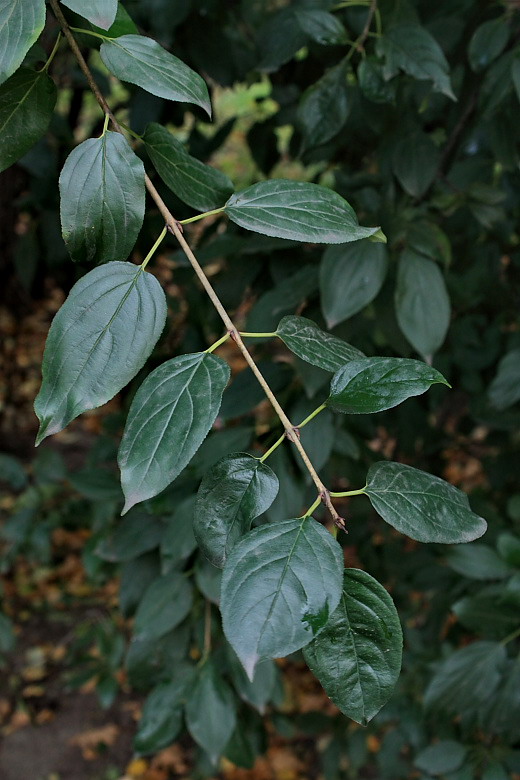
[
  {"x": 258, "y": 335},
  {"x": 312, "y": 415},
  {"x": 131, "y": 132},
  {"x": 52, "y": 54},
  {"x": 312, "y": 507},
  {"x": 201, "y": 216},
  {"x": 90, "y": 32},
  {"x": 272, "y": 449},
  {"x": 152, "y": 250},
  {"x": 359, "y": 492},
  {"x": 217, "y": 343},
  {"x": 105, "y": 124}
]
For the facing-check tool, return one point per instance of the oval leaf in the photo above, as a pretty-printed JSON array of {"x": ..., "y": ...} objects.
[
  {"x": 21, "y": 22},
  {"x": 324, "y": 107},
  {"x": 102, "y": 13},
  {"x": 161, "y": 718},
  {"x": 280, "y": 584},
  {"x": 27, "y": 102},
  {"x": 296, "y": 210},
  {"x": 422, "y": 303},
  {"x": 357, "y": 657},
  {"x": 315, "y": 346},
  {"x": 98, "y": 341},
  {"x": 168, "y": 420},
  {"x": 350, "y": 278},
  {"x": 422, "y": 506},
  {"x": 142, "y": 61},
  {"x": 164, "y": 605},
  {"x": 198, "y": 185},
  {"x": 102, "y": 199},
  {"x": 371, "y": 385},
  {"x": 211, "y": 712},
  {"x": 236, "y": 490}
]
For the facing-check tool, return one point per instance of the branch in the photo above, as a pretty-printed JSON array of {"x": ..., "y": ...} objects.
[{"x": 174, "y": 228}]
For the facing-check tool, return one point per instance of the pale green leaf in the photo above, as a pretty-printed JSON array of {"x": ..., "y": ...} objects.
[
  {"x": 21, "y": 22},
  {"x": 315, "y": 346},
  {"x": 102, "y": 13}
]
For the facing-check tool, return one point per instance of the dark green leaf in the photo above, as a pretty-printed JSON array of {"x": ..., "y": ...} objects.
[
  {"x": 477, "y": 561},
  {"x": 487, "y": 43},
  {"x": 422, "y": 506},
  {"x": 7, "y": 635},
  {"x": 281, "y": 583},
  {"x": 21, "y": 22},
  {"x": 317, "y": 436},
  {"x": 279, "y": 39},
  {"x": 198, "y": 185},
  {"x": 350, "y": 278},
  {"x": 165, "y": 604},
  {"x": 123, "y": 24},
  {"x": 282, "y": 299},
  {"x": 372, "y": 83},
  {"x": 323, "y": 27},
  {"x": 208, "y": 579},
  {"x": 315, "y": 346},
  {"x": 467, "y": 679},
  {"x": 415, "y": 161},
  {"x": 504, "y": 390},
  {"x": 509, "y": 548},
  {"x": 178, "y": 541},
  {"x": 102, "y": 13},
  {"x": 515, "y": 74},
  {"x": 168, "y": 420},
  {"x": 161, "y": 718},
  {"x": 487, "y": 615},
  {"x": 445, "y": 756},
  {"x": 258, "y": 691},
  {"x": 138, "y": 533},
  {"x": 357, "y": 657},
  {"x": 211, "y": 712},
  {"x": 96, "y": 484},
  {"x": 296, "y": 210},
  {"x": 422, "y": 303},
  {"x": 236, "y": 490},
  {"x": 102, "y": 199},
  {"x": 98, "y": 341},
  {"x": 503, "y": 714},
  {"x": 369, "y": 385},
  {"x": 324, "y": 107},
  {"x": 151, "y": 661},
  {"x": 411, "y": 48},
  {"x": 27, "y": 102},
  {"x": 136, "y": 576},
  {"x": 12, "y": 472},
  {"x": 144, "y": 62}
]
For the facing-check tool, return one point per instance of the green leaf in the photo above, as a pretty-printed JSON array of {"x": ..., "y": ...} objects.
[
  {"x": 142, "y": 61},
  {"x": 324, "y": 107},
  {"x": 279, "y": 38},
  {"x": 515, "y": 75},
  {"x": 357, "y": 657},
  {"x": 236, "y": 490},
  {"x": 445, "y": 756},
  {"x": 102, "y": 13},
  {"x": 98, "y": 341},
  {"x": 369, "y": 385},
  {"x": 168, "y": 420},
  {"x": 478, "y": 562},
  {"x": 504, "y": 390},
  {"x": 258, "y": 691},
  {"x": 315, "y": 346},
  {"x": 372, "y": 83},
  {"x": 164, "y": 605},
  {"x": 178, "y": 541},
  {"x": 296, "y": 210},
  {"x": 422, "y": 506},
  {"x": 487, "y": 43},
  {"x": 466, "y": 679},
  {"x": 411, "y": 48},
  {"x": 281, "y": 583},
  {"x": 161, "y": 718},
  {"x": 487, "y": 615},
  {"x": 136, "y": 575},
  {"x": 282, "y": 299},
  {"x": 7, "y": 634},
  {"x": 323, "y": 27},
  {"x": 211, "y": 712},
  {"x": 12, "y": 472},
  {"x": 208, "y": 579},
  {"x": 350, "y": 278},
  {"x": 27, "y": 103},
  {"x": 138, "y": 533},
  {"x": 21, "y": 22},
  {"x": 415, "y": 161},
  {"x": 422, "y": 303},
  {"x": 198, "y": 185},
  {"x": 508, "y": 546},
  {"x": 102, "y": 199}
]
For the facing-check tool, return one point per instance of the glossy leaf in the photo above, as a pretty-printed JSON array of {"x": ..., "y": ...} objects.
[
  {"x": 369, "y": 385},
  {"x": 296, "y": 210},
  {"x": 504, "y": 390},
  {"x": 169, "y": 418},
  {"x": 422, "y": 303},
  {"x": 161, "y": 718},
  {"x": 315, "y": 346},
  {"x": 102, "y": 13},
  {"x": 98, "y": 341},
  {"x": 211, "y": 712},
  {"x": 281, "y": 583},
  {"x": 350, "y": 278},
  {"x": 198, "y": 185},
  {"x": 21, "y": 22},
  {"x": 27, "y": 103},
  {"x": 357, "y": 657},
  {"x": 142, "y": 61},
  {"x": 102, "y": 199},
  {"x": 411, "y": 48},
  {"x": 324, "y": 107},
  {"x": 415, "y": 161},
  {"x": 422, "y": 506},
  {"x": 164, "y": 605},
  {"x": 323, "y": 27},
  {"x": 487, "y": 43},
  {"x": 236, "y": 490}
]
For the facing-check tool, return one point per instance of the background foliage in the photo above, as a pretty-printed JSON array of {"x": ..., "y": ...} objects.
[{"x": 414, "y": 119}]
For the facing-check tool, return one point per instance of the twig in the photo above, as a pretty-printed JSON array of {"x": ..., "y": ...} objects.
[{"x": 175, "y": 228}]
